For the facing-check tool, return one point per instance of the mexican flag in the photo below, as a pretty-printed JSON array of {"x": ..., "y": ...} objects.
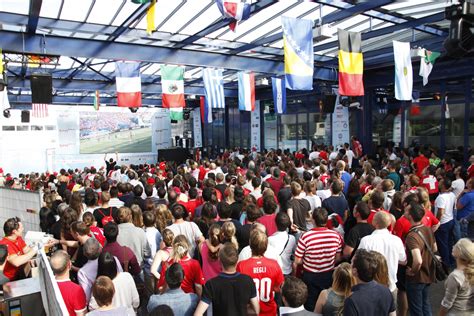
[{"x": 172, "y": 85}]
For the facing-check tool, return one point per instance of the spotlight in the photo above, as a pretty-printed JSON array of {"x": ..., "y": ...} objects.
[{"x": 6, "y": 113}]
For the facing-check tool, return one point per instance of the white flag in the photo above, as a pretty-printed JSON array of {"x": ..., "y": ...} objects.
[
  {"x": 403, "y": 71},
  {"x": 426, "y": 64},
  {"x": 4, "y": 100}
]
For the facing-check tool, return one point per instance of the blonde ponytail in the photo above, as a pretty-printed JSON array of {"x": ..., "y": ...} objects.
[{"x": 464, "y": 251}]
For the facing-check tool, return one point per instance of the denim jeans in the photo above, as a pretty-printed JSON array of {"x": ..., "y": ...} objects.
[
  {"x": 316, "y": 283},
  {"x": 445, "y": 241},
  {"x": 418, "y": 299}
]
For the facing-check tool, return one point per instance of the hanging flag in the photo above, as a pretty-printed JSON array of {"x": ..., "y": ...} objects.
[
  {"x": 214, "y": 88},
  {"x": 96, "y": 100},
  {"x": 172, "y": 84},
  {"x": 246, "y": 91},
  {"x": 426, "y": 64},
  {"x": 129, "y": 86},
  {"x": 40, "y": 110},
  {"x": 206, "y": 110},
  {"x": 279, "y": 95},
  {"x": 415, "y": 104},
  {"x": 150, "y": 18},
  {"x": 4, "y": 100},
  {"x": 235, "y": 10},
  {"x": 403, "y": 71},
  {"x": 447, "y": 114},
  {"x": 299, "y": 56},
  {"x": 351, "y": 63}
]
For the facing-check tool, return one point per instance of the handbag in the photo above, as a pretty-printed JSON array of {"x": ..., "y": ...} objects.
[{"x": 441, "y": 270}]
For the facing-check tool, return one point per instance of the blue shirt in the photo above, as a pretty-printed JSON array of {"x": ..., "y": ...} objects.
[
  {"x": 336, "y": 204},
  {"x": 467, "y": 201},
  {"x": 181, "y": 303},
  {"x": 346, "y": 178},
  {"x": 369, "y": 299}
]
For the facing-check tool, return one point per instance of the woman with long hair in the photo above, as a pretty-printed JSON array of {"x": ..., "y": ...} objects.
[
  {"x": 163, "y": 254},
  {"x": 228, "y": 231},
  {"x": 396, "y": 209},
  {"x": 76, "y": 203},
  {"x": 459, "y": 286},
  {"x": 381, "y": 275},
  {"x": 209, "y": 250},
  {"x": 193, "y": 278},
  {"x": 126, "y": 294},
  {"x": 163, "y": 217},
  {"x": 331, "y": 301},
  {"x": 137, "y": 217}
]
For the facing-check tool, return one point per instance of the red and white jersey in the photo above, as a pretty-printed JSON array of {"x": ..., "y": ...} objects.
[
  {"x": 268, "y": 277},
  {"x": 431, "y": 184},
  {"x": 318, "y": 249}
]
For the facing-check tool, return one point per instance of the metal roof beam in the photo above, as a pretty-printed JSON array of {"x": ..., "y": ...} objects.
[
  {"x": 387, "y": 30},
  {"x": 66, "y": 46},
  {"x": 330, "y": 18},
  {"x": 135, "y": 16},
  {"x": 19, "y": 100},
  {"x": 33, "y": 15},
  {"x": 255, "y": 7}
]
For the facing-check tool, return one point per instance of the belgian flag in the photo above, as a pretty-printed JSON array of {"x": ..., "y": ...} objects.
[{"x": 351, "y": 64}]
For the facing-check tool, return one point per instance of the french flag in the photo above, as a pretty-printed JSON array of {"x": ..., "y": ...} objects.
[
  {"x": 236, "y": 10},
  {"x": 206, "y": 111},
  {"x": 246, "y": 91},
  {"x": 129, "y": 86}
]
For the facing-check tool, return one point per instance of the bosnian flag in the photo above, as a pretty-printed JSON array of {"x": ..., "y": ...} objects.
[
  {"x": 129, "y": 86},
  {"x": 246, "y": 91},
  {"x": 236, "y": 10}
]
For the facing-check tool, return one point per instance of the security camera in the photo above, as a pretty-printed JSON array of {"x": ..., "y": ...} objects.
[{"x": 355, "y": 105}]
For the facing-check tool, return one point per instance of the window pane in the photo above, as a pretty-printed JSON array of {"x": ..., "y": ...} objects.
[
  {"x": 22, "y": 128},
  {"x": 8, "y": 128}
]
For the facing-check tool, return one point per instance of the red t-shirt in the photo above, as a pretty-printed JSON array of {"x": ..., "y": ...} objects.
[
  {"x": 14, "y": 248},
  {"x": 276, "y": 184},
  {"x": 323, "y": 155},
  {"x": 430, "y": 183},
  {"x": 267, "y": 275},
  {"x": 470, "y": 171},
  {"x": 402, "y": 225},
  {"x": 191, "y": 207},
  {"x": 192, "y": 274},
  {"x": 268, "y": 220},
  {"x": 98, "y": 234},
  {"x": 73, "y": 296},
  {"x": 421, "y": 162},
  {"x": 372, "y": 214}
]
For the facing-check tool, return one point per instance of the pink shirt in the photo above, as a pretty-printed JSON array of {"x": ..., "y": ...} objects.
[{"x": 210, "y": 268}]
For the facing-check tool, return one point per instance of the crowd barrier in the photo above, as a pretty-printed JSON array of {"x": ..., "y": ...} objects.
[{"x": 23, "y": 204}]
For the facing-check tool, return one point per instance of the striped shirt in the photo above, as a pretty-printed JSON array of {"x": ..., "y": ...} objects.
[{"x": 318, "y": 248}]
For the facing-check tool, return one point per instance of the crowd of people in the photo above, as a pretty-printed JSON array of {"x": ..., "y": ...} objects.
[{"x": 321, "y": 232}]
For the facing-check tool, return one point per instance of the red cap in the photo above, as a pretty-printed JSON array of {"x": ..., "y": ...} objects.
[
  {"x": 162, "y": 165},
  {"x": 151, "y": 181}
]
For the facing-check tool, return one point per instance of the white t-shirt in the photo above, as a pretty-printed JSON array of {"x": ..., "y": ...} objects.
[
  {"x": 333, "y": 155},
  {"x": 278, "y": 241},
  {"x": 446, "y": 201},
  {"x": 271, "y": 253},
  {"x": 314, "y": 201},
  {"x": 458, "y": 186},
  {"x": 390, "y": 246},
  {"x": 314, "y": 155},
  {"x": 188, "y": 229},
  {"x": 323, "y": 194},
  {"x": 126, "y": 294},
  {"x": 350, "y": 155}
]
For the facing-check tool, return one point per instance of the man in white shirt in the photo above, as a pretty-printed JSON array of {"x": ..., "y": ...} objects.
[
  {"x": 458, "y": 185},
  {"x": 283, "y": 242},
  {"x": 188, "y": 229},
  {"x": 349, "y": 154},
  {"x": 444, "y": 207},
  {"x": 270, "y": 253},
  {"x": 390, "y": 246}
]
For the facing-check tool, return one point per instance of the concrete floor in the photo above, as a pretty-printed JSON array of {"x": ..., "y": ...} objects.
[{"x": 437, "y": 294}]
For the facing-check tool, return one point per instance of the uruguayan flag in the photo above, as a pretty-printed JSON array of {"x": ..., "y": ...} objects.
[
  {"x": 279, "y": 95},
  {"x": 214, "y": 88}
]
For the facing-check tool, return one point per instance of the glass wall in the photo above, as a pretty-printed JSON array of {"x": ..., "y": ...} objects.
[
  {"x": 424, "y": 127},
  {"x": 455, "y": 125},
  {"x": 239, "y": 127}
]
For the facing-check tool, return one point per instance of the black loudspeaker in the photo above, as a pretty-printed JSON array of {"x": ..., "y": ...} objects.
[
  {"x": 329, "y": 102},
  {"x": 41, "y": 88},
  {"x": 25, "y": 116}
]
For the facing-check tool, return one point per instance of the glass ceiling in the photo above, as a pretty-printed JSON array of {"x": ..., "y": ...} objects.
[{"x": 177, "y": 20}]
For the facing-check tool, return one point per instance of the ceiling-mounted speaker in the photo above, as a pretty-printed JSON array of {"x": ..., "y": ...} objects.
[
  {"x": 25, "y": 116},
  {"x": 41, "y": 88}
]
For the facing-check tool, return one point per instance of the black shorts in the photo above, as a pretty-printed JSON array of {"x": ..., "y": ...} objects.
[{"x": 401, "y": 278}]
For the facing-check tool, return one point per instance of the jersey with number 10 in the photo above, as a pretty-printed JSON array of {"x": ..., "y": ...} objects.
[{"x": 268, "y": 277}]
